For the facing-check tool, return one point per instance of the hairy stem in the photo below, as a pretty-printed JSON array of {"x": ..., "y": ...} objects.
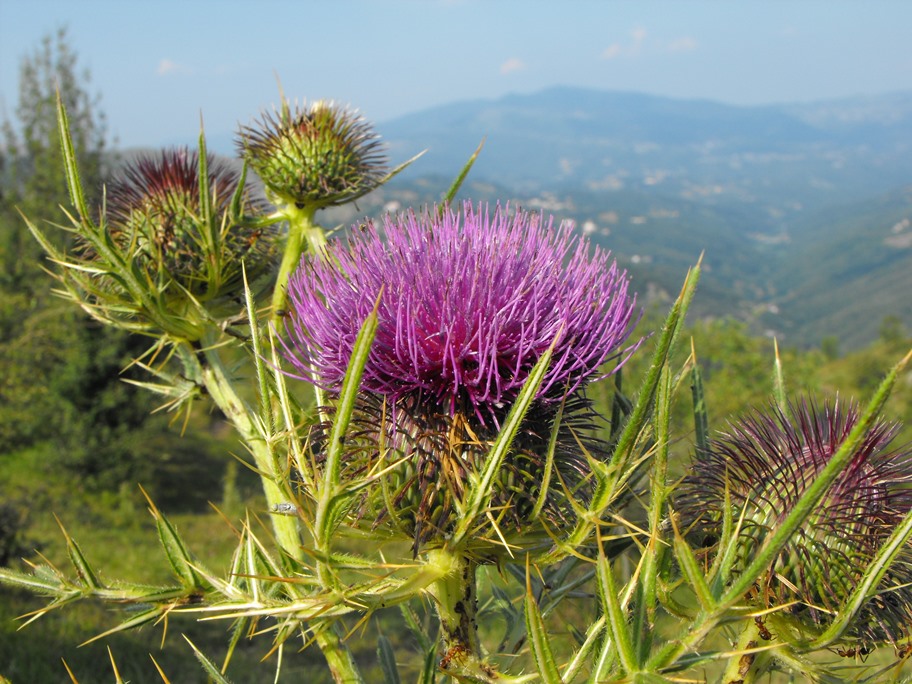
[
  {"x": 456, "y": 603},
  {"x": 215, "y": 377},
  {"x": 303, "y": 234},
  {"x": 743, "y": 668}
]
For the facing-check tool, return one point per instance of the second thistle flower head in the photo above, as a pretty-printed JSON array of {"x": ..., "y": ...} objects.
[
  {"x": 314, "y": 157},
  {"x": 469, "y": 301},
  {"x": 764, "y": 464},
  {"x": 182, "y": 231}
]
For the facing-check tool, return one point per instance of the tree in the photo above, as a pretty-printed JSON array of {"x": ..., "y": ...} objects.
[
  {"x": 32, "y": 167},
  {"x": 61, "y": 389}
]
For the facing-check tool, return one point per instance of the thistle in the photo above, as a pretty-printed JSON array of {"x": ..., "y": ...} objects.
[
  {"x": 314, "y": 157},
  {"x": 156, "y": 203},
  {"x": 763, "y": 465},
  {"x": 468, "y": 303},
  {"x": 167, "y": 255}
]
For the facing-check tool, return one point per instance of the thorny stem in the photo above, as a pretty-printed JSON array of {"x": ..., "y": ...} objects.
[
  {"x": 220, "y": 388},
  {"x": 214, "y": 376},
  {"x": 303, "y": 234},
  {"x": 456, "y": 603},
  {"x": 743, "y": 668}
]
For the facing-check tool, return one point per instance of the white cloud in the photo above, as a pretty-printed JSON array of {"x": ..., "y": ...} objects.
[
  {"x": 637, "y": 36},
  {"x": 511, "y": 65},
  {"x": 167, "y": 66},
  {"x": 683, "y": 44}
]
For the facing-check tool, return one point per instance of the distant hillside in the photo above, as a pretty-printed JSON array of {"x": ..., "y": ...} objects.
[
  {"x": 787, "y": 158},
  {"x": 795, "y": 206},
  {"x": 847, "y": 269}
]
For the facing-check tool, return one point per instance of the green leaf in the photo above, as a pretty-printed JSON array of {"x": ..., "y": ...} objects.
[
  {"x": 146, "y": 617},
  {"x": 481, "y": 488},
  {"x": 387, "y": 659},
  {"x": 646, "y": 588},
  {"x": 460, "y": 179},
  {"x": 538, "y": 638},
  {"x": 584, "y": 654},
  {"x": 693, "y": 572},
  {"x": 74, "y": 184},
  {"x": 214, "y": 673},
  {"x": 701, "y": 418},
  {"x": 178, "y": 555},
  {"x": 549, "y": 463},
  {"x": 617, "y": 618},
  {"x": 347, "y": 399},
  {"x": 85, "y": 571},
  {"x": 612, "y": 477},
  {"x": 425, "y": 642}
]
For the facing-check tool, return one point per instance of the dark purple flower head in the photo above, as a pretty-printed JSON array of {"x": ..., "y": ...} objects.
[
  {"x": 470, "y": 301},
  {"x": 154, "y": 205},
  {"x": 764, "y": 463}
]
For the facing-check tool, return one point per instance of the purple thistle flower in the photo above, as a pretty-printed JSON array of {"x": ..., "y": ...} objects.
[
  {"x": 764, "y": 464},
  {"x": 470, "y": 303}
]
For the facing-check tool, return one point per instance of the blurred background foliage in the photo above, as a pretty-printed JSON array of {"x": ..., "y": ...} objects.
[{"x": 75, "y": 440}]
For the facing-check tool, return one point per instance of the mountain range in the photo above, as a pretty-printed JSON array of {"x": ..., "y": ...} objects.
[{"x": 802, "y": 211}]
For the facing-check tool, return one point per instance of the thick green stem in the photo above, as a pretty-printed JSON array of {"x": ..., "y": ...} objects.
[
  {"x": 303, "y": 234},
  {"x": 743, "y": 668},
  {"x": 214, "y": 376},
  {"x": 241, "y": 415},
  {"x": 338, "y": 656},
  {"x": 456, "y": 603}
]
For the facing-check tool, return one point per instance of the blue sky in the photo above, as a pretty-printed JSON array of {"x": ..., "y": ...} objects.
[{"x": 159, "y": 65}]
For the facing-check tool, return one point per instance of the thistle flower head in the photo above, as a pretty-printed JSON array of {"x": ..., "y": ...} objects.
[
  {"x": 178, "y": 241},
  {"x": 318, "y": 156},
  {"x": 156, "y": 200},
  {"x": 468, "y": 303},
  {"x": 764, "y": 464}
]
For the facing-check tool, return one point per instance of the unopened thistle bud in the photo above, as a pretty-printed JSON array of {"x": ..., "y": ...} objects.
[
  {"x": 760, "y": 468},
  {"x": 182, "y": 241},
  {"x": 470, "y": 302},
  {"x": 314, "y": 157}
]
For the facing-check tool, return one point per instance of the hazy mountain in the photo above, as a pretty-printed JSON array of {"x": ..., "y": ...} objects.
[{"x": 793, "y": 205}]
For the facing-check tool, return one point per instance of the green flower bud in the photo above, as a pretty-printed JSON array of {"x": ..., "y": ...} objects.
[{"x": 316, "y": 157}]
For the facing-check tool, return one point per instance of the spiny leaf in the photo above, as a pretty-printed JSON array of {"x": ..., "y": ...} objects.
[
  {"x": 177, "y": 553},
  {"x": 138, "y": 620},
  {"x": 481, "y": 487},
  {"x": 538, "y": 637},
  {"x": 460, "y": 179},
  {"x": 387, "y": 659},
  {"x": 74, "y": 184},
  {"x": 85, "y": 571},
  {"x": 617, "y": 619},
  {"x": 210, "y": 668}
]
